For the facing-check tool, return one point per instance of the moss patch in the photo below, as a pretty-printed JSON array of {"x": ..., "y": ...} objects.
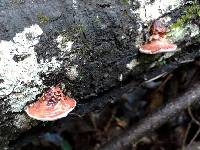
[
  {"x": 190, "y": 12},
  {"x": 78, "y": 28},
  {"x": 125, "y": 2},
  {"x": 43, "y": 19}
]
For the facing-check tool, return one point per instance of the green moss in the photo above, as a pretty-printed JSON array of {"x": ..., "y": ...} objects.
[
  {"x": 162, "y": 62},
  {"x": 73, "y": 32},
  {"x": 191, "y": 12},
  {"x": 66, "y": 36},
  {"x": 76, "y": 33},
  {"x": 78, "y": 28},
  {"x": 43, "y": 19},
  {"x": 125, "y": 2},
  {"x": 97, "y": 20},
  {"x": 84, "y": 49}
]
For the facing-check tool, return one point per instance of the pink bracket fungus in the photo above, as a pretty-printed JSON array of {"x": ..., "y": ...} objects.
[
  {"x": 52, "y": 105},
  {"x": 158, "y": 46},
  {"x": 158, "y": 28},
  {"x": 157, "y": 42}
]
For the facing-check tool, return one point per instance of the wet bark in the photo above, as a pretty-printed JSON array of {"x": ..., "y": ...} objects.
[{"x": 89, "y": 48}]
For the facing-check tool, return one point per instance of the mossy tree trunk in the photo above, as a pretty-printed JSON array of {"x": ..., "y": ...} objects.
[{"x": 86, "y": 47}]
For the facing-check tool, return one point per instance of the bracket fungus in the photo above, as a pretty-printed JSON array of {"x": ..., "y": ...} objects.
[
  {"x": 158, "y": 46},
  {"x": 157, "y": 42},
  {"x": 158, "y": 28},
  {"x": 52, "y": 105}
]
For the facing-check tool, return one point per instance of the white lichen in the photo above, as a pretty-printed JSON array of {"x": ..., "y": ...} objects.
[
  {"x": 149, "y": 11},
  {"x": 20, "y": 79},
  {"x": 72, "y": 72},
  {"x": 74, "y": 5},
  {"x": 132, "y": 64},
  {"x": 64, "y": 45},
  {"x": 193, "y": 29},
  {"x": 180, "y": 33},
  {"x": 120, "y": 77}
]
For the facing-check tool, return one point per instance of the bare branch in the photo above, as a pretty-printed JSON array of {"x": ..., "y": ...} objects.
[
  {"x": 192, "y": 117},
  {"x": 155, "y": 120}
]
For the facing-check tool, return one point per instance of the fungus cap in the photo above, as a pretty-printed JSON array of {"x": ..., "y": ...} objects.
[
  {"x": 158, "y": 28},
  {"x": 158, "y": 46},
  {"x": 52, "y": 105}
]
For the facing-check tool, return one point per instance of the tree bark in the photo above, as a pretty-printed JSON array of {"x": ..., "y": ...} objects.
[{"x": 89, "y": 48}]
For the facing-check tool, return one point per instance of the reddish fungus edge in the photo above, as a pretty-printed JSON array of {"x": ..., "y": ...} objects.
[
  {"x": 160, "y": 49},
  {"x": 49, "y": 118},
  {"x": 156, "y": 52}
]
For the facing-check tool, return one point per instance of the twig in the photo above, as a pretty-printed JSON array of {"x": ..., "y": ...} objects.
[
  {"x": 186, "y": 135},
  {"x": 192, "y": 140},
  {"x": 110, "y": 120},
  {"x": 155, "y": 120},
  {"x": 164, "y": 82},
  {"x": 192, "y": 116},
  {"x": 195, "y": 121}
]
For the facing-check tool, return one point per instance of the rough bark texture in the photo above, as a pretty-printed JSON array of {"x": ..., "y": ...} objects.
[{"x": 87, "y": 47}]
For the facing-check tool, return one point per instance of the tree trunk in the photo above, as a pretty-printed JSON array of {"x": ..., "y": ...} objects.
[{"x": 89, "y": 48}]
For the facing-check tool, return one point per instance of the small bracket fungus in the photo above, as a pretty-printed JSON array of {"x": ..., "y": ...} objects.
[
  {"x": 157, "y": 42},
  {"x": 52, "y": 105},
  {"x": 158, "y": 46},
  {"x": 158, "y": 28}
]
